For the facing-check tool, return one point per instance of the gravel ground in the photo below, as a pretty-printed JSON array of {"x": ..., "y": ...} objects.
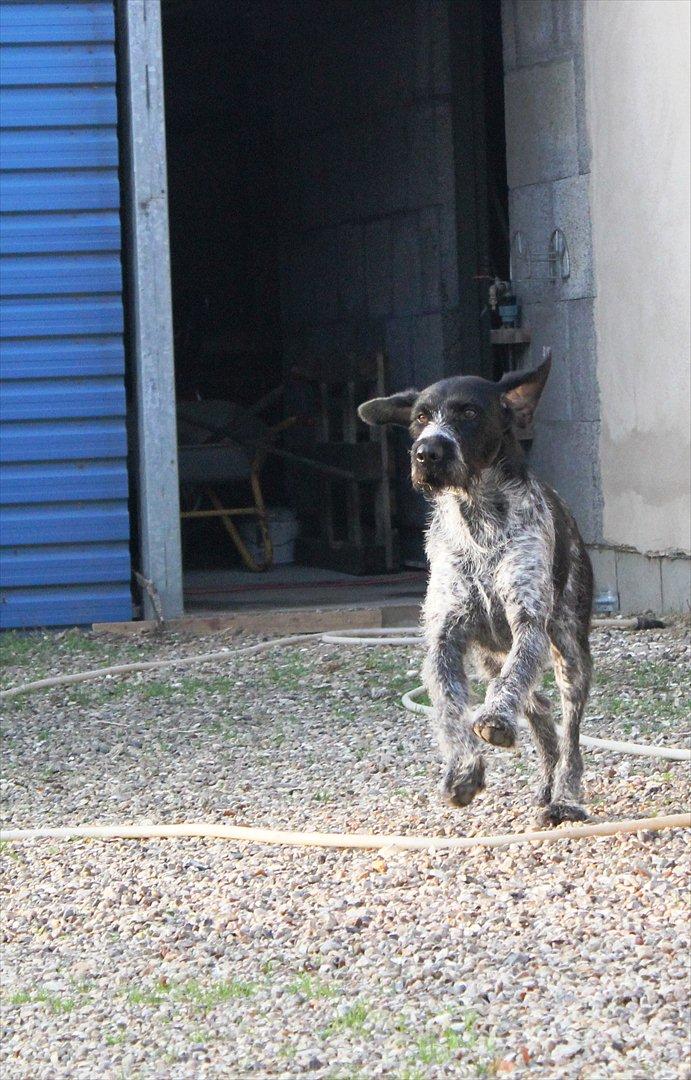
[{"x": 193, "y": 958}]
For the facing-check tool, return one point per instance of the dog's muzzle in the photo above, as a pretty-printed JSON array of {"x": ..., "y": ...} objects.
[{"x": 434, "y": 462}]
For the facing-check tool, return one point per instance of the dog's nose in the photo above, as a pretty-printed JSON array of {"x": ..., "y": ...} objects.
[{"x": 430, "y": 451}]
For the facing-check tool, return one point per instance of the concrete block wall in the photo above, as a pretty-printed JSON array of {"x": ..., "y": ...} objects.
[
  {"x": 368, "y": 253},
  {"x": 548, "y": 168},
  {"x": 548, "y": 159}
]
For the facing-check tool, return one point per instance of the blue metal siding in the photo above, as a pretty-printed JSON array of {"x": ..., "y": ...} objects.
[{"x": 64, "y": 524}]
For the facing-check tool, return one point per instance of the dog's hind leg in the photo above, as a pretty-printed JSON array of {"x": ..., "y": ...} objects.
[
  {"x": 447, "y": 685},
  {"x": 572, "y": 671},
  {"x": 538, "y": 713}
]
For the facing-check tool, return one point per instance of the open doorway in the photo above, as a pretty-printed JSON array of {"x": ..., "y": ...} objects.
[{"x": 324, "y": 164}]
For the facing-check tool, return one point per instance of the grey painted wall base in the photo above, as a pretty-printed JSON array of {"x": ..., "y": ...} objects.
[{"x": 657, "y": 583}]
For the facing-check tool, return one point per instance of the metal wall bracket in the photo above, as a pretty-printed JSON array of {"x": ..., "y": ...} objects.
[{"x": 557, "y": 257}]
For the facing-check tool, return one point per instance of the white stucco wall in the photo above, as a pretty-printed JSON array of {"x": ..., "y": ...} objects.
[{"x": 637, "y": 80}]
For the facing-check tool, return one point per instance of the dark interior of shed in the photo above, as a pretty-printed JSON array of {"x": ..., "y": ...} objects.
[{"x": 236, "y": 219}]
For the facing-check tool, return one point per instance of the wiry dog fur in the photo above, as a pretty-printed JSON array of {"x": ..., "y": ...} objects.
[{"x": 510, "y": 582}]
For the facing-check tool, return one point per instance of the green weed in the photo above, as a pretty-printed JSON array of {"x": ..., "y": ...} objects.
[
  {"x": 191, "y": 993},
  {"x": 57, "y": 1004},
  {"x": 353, "y": 1020},
  {"x": 311, "y": 988}
]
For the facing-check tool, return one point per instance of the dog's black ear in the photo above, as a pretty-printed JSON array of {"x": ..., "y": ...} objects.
[
  {"x": 389, "y": 410},
  {"x": 521, "y": 390}
]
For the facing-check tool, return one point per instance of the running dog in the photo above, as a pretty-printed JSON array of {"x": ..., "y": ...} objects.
[{"x": 510, "y": 581}]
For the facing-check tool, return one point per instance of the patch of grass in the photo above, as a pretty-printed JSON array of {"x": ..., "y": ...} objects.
[
  {"x": 194, "y": 993},
  {"x": 323, "y": 797},
  {"x": 115, "y": 1040},
  {"x": 311, "y": 988},
  {"x": 614, "y": 705},
  {"x": 20, "y": 998},
  {"x": 57, "y": 1004},
  {"x": 287, "y": 1051},
  {"x": 157, "y": 688},
  {"x": 18, "y": 647},
  {"x": 389, "y": 671},
  {"x": 353, "y": 1019},
  {"x": 207, "y": 997},
  {"x": 288, "y": 674},
  {"x": 654, "y": 674},
  {"x": 185, "y": 689},
  {"x": 200, "y": 1037},
  {"x": 137, "y": 995},
  {"x": 448, "y": 1044},
  {"x": 7, "y": 849},
  {"x": 436, "y": 1049},
  {"x": 34, "y": 653}
]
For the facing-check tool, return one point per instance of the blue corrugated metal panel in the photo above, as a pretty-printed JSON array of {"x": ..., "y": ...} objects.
[
  {"x": 62, "y": 399},
  {"x": 49, "y": 316},
  {"x": 63, "y": 471},
  {"x": 60, "y": 565},
  {"x": 62, "y": 440},
  {"x": 28, "y": 234},
  {"x": 36, "y": 65},
  {"x": 64, "y": 523},
  {"x": 61, "y": 357},
  {"x": 59, "y": 148},
  {"x": 27, "y": 275},
  {"x": 64, "y": 605},
  {"x": 62, "y": 481},
  {"x": 68, "y": 189},
  {"x": 47, "y": 22},
  {"x": 59, "y": 106}
]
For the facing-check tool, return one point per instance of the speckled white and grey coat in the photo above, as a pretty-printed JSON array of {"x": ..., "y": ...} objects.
[
  {"x": 510, "y": 582},
  {"x": 492, "y": 597}
]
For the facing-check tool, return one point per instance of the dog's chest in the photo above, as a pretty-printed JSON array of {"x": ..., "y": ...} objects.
[{"x": 463, "y": 576}]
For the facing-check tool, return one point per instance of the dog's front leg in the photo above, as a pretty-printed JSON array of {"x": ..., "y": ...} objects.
[
  {"x": 497, "y": 720},
  {"x": 447, "y": 686}
]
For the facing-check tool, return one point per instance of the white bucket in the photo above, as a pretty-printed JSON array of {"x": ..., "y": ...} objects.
[{"x": 283, "y": 530}]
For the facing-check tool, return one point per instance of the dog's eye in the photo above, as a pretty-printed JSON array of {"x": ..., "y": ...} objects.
[
  {"x": 470, "y": 413},
  {"x": 422, "y": 418}
]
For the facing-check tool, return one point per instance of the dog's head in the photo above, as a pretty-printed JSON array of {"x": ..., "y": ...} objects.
[{"x": 458, "y": 425}]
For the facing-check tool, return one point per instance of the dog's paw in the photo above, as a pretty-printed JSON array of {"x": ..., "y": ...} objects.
[
  {"x": 462, "y": 781},
  {"x": 557, "y": 812},
  {"x": 494, "y": 727}
]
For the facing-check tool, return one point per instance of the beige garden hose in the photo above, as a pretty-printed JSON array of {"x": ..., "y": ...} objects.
[
  {"x": 377, "y": 841},
  {"x": 374, "y": 637}
]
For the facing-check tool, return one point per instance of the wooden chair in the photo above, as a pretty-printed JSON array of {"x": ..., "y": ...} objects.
[
  {"x": 347, "y": 456},
  {"x": 219, "y": 443}
]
